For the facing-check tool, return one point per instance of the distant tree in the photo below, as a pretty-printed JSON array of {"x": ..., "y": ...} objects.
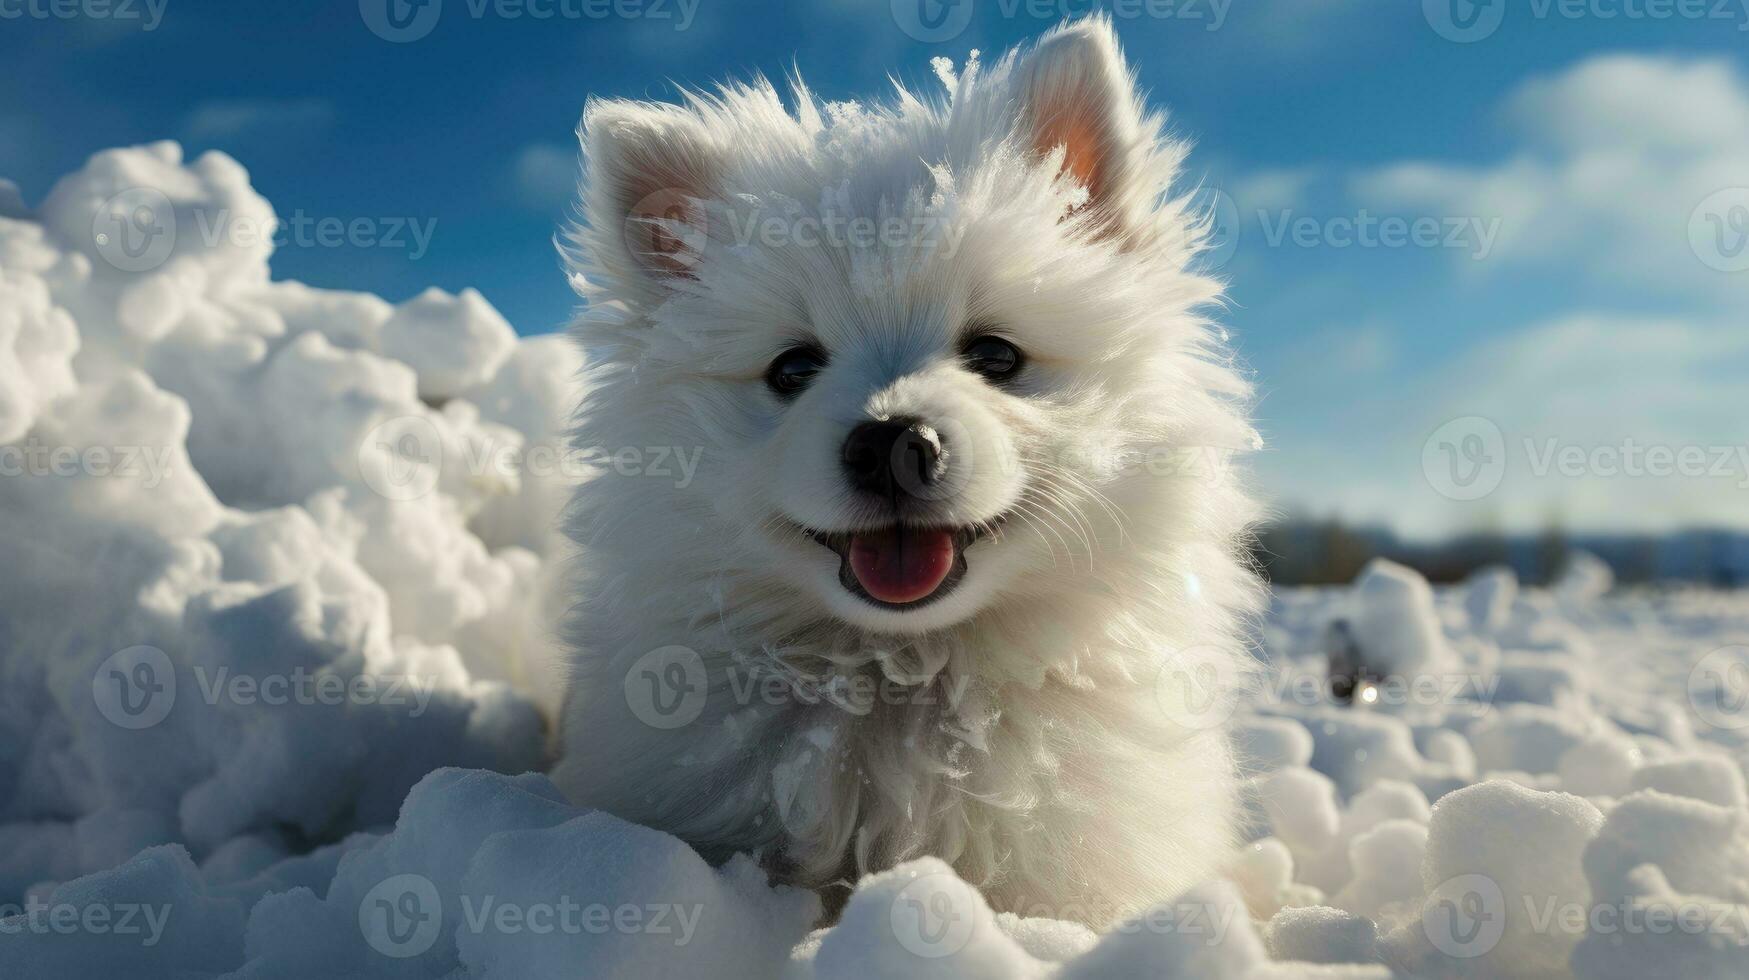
[
  {"x": 1310, "y": 550},
  {"x": 1551, "y": 551}
]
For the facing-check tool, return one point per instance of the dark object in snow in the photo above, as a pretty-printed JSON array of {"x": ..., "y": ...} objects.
[{"x": 1348, "y": 674}]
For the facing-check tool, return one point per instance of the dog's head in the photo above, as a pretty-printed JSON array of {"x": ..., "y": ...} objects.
[{"x": 937, "y": 356}]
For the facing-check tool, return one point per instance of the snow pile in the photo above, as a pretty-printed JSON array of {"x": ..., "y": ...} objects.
[
  {"x": 1558, "y": 792},
  {"x": 1392, "y": 621},
  {"x": 253, "y": 585},
  {"x": 276, "y": 561}
]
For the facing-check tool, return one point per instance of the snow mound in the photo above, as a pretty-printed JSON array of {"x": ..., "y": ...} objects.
[
  {"x": 486, "y": 875},
  {"x": 244, "y": 601},
  {"x": 1393, "y": 621},
  {"x": 276, "y": 570},
  {"x": 1557, "y": 790}
]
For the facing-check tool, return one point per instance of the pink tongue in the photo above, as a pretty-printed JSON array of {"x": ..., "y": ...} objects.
[{"x": 901, "y": 565}]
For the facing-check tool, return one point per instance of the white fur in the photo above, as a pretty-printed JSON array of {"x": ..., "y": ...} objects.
[{"x": 1033, "y": 728}]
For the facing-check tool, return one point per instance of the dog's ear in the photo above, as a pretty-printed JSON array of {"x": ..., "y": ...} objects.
[
  {"x": 649, "y": 167},
  {"x": 1075, "y": 93}
]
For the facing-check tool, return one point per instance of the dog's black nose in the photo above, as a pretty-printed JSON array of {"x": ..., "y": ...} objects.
[{"x": 894, "y": 456}]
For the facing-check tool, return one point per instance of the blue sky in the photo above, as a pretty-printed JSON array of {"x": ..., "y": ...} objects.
[{"x": 1557, "y": 320}]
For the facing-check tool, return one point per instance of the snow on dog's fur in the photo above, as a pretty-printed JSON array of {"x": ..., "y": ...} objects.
[{"x": 1046, "y": 717}]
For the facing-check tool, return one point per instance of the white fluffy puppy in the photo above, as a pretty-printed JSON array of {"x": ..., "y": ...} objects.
[{"x": 956, "y": 567}]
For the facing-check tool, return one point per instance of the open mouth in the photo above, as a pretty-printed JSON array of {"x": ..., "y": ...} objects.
[{"x": 899, "y": 566}]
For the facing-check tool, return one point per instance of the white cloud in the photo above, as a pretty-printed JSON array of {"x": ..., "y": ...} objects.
[
  {"x": 221, "y": 119},
  {"x": 1361, "y": 350},
  {"x": 1272, "y": 190},
  {"x": 545, "y": 176},
  {"x": 1630, "y": 101},
  {"x": 1620, "y": 152},
  {"x": 1299, "y": 25},
  {"x": 1605, "y": 388},
  {"x": 1616, "y": 154}
]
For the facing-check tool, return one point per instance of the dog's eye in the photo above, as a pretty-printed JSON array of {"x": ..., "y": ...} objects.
[
  {"x": 994, "y": 358},
  {"x": 794, "y": 370}
]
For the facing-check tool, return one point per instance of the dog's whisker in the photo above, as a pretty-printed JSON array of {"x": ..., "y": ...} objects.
[
  {"x": 1053, "y": 504},
  {"x": 1118, "y": 519},
  {"x": 1064, "y": 479},
  {"x": 1035, "y": 516}
]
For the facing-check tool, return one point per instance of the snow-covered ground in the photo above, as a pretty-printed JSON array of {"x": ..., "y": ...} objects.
[{"x": 270, "y": 556}]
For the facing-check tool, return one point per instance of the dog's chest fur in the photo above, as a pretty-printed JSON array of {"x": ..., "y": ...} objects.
[{"x": 1062, "y": 790}]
